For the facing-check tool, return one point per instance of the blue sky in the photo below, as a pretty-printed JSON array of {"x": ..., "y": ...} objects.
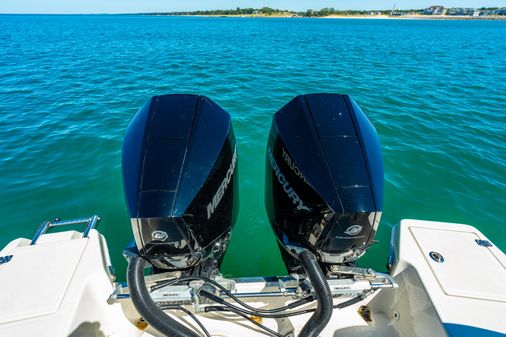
[{"x": 134, "y": 6}]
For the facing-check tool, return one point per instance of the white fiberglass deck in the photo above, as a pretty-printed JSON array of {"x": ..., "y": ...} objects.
[{"x": 62, "y": 287}]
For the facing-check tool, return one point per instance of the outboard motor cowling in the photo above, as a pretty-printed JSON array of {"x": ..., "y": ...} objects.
[
  {"x": 180, "y": 180},
  {"x": 324, "y": 178}
]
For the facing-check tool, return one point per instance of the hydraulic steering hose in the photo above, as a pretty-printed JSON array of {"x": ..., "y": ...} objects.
[
  {"x": 147, "y": 308},
  {"x": 160, "y": 321},
  {"x": 323, "y": 312}
]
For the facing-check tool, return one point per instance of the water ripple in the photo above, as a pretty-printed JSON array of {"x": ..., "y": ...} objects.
[{"x": 69, "y": 85}]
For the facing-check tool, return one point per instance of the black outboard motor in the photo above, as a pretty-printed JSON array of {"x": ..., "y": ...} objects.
[
  {"x": 180, "y": 181},
  {"x": 324, "y": 181}
]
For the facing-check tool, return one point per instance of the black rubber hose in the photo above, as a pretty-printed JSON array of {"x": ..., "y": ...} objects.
[
  {"x": 147, "y": 308},
  {"x": 321, "y": 317},
  {"x": 225, "y": 309},
  {"x": 229, "y": 294}
]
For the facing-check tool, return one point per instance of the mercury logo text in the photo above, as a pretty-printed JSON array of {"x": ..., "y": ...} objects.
[
  {"x": 211, "y": 207},
  {"x": 286, "y": 185}
]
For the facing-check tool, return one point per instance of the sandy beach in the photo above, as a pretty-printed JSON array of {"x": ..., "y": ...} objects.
[
  {"x": 366, "y": 17},
  {"x": 416, "y": 17}
]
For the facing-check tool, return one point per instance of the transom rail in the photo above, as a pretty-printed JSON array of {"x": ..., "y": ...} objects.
[{"x": 90, "y": 222}]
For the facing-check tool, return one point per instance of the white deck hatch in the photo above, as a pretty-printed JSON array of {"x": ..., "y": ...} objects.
[
  {"x": 468, "y": 270},
  {"x": 34, "y": 282}
]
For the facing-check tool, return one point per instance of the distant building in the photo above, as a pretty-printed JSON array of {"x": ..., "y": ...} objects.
[
  {"x": 460, "y": 11},
  {"x": 435, "y": 10},
  {"x": 476, "y": 12}
]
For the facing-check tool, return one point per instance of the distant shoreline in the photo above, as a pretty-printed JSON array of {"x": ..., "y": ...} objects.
[
  {"x": 384, "y": 17},
  {"x": 286, "y": 16},
  {"x": 418, "y": 17}
]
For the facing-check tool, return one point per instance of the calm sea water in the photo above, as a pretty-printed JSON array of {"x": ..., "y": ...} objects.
[{"x": 435, "y": 90}]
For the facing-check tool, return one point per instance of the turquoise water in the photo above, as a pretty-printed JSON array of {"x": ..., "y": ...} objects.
[{"x": 435, "y": 90}]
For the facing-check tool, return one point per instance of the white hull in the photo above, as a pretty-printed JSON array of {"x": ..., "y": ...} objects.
[{"x": 62, "y": 286}]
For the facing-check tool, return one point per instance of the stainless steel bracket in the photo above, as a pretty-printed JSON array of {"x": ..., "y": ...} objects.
[{"x": 90, "y": 222}]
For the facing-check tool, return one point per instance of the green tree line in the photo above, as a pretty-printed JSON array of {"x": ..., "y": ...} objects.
[{"x": 308, "y": 13}]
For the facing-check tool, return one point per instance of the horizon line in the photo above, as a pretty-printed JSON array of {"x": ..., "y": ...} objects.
[{"x": 210, "y": 10}]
